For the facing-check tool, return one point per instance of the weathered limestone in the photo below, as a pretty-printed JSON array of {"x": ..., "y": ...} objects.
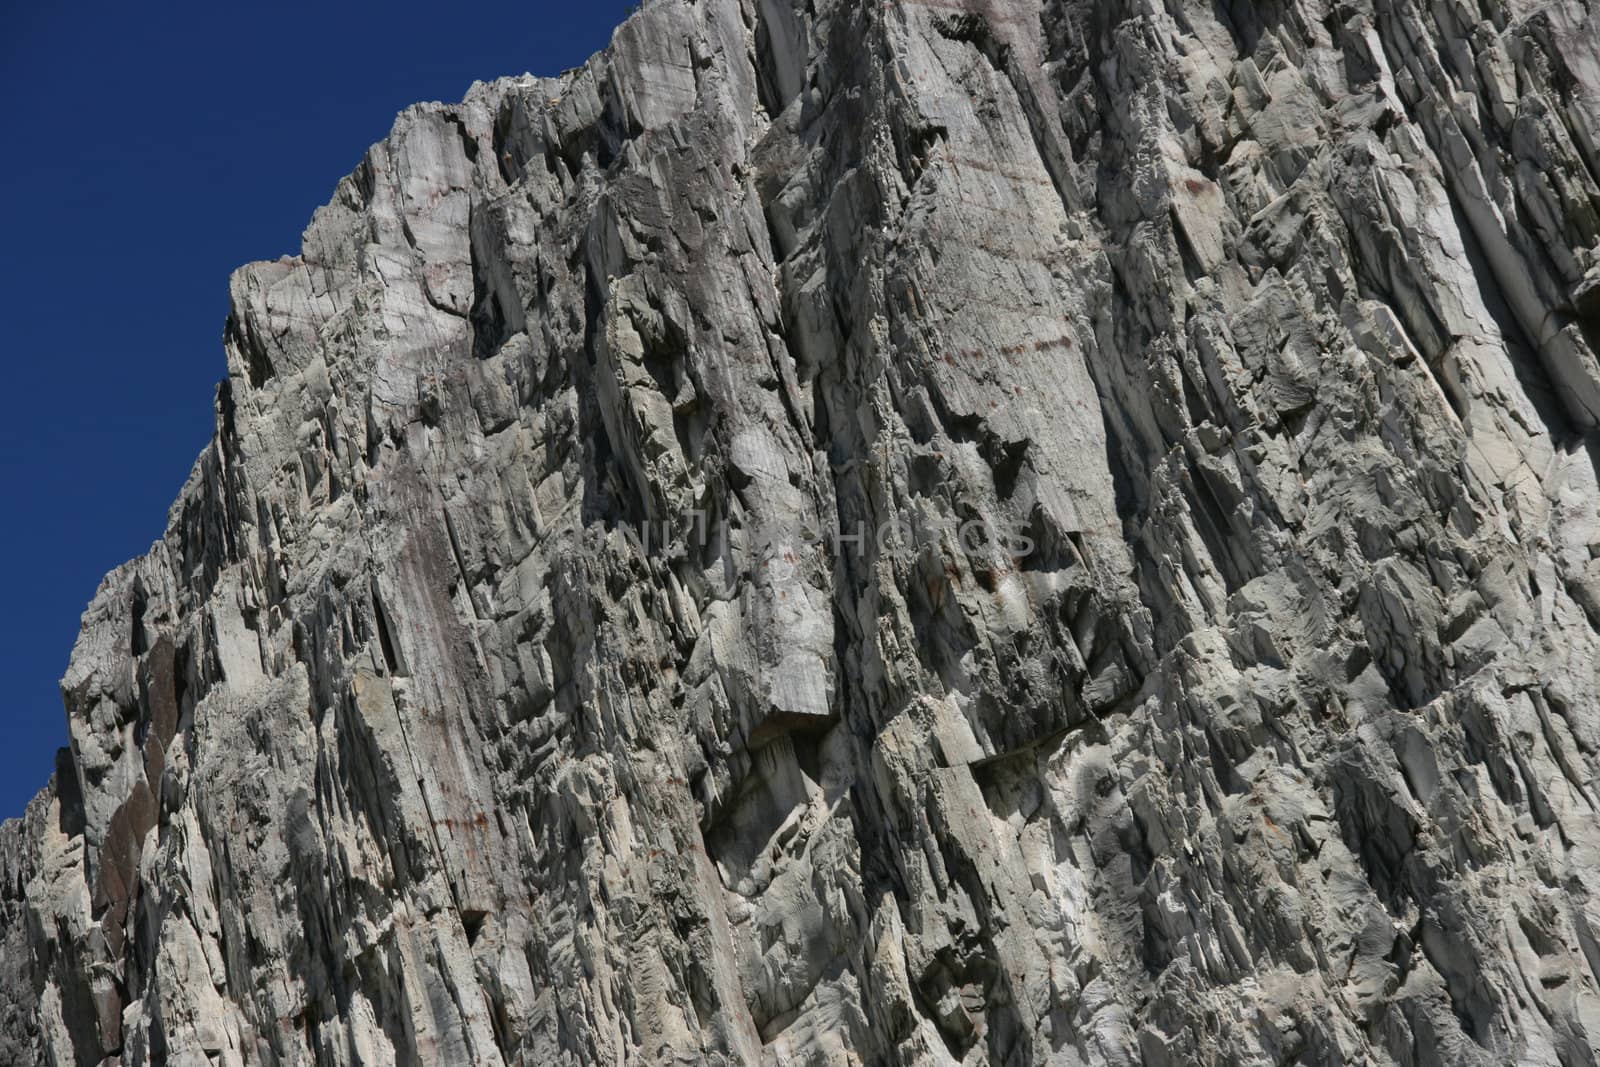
[{"x": 924, "y": 531}]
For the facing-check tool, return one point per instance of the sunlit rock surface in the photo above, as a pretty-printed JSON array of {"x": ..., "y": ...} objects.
[{"x": 883, "y": 532}]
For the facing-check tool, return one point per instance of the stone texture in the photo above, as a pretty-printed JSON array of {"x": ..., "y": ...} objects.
[{"x": 500, "y": 692}]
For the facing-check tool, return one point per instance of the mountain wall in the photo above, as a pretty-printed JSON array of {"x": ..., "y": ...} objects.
[{"x": 880, "y": 531}]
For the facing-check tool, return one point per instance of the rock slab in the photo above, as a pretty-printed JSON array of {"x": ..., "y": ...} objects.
[{"x": 1028, "y": 532}]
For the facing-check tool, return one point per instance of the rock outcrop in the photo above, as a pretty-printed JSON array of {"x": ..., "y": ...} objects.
[{"x": 893, "y": 532}]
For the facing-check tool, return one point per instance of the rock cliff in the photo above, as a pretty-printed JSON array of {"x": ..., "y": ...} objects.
[{"x": 880, "y": 531}]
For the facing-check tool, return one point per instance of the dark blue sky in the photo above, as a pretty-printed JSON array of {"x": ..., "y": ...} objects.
[{"x": 149, "y": 149}]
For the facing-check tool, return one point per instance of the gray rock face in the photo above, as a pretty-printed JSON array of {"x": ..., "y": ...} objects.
[{"x": 921, "y": 532}]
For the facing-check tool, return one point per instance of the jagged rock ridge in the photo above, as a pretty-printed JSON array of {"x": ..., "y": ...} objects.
[{"x": 1270, "y": 329}]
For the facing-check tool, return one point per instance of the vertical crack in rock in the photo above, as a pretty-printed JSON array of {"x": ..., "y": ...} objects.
[{"x": 924, "y": 532}]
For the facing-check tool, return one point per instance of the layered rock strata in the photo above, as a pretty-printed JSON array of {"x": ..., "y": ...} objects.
[{"x": 896, "y": 532}]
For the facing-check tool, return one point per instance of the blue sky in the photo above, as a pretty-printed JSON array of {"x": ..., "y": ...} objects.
[{"x": 148, "y": 151}]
